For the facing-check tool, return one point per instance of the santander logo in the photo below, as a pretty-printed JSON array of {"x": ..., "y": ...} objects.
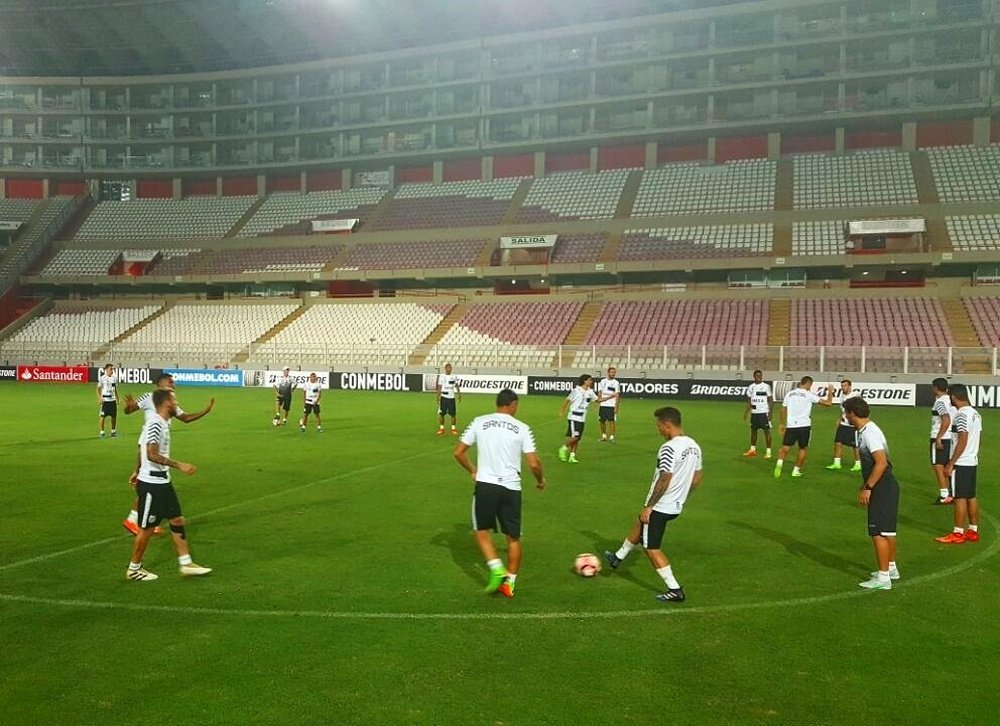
[{"x": 53, "y": 374}]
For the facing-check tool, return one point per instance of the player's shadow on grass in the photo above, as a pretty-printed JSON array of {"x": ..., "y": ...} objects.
[
  {"x": 626, "y": 570},
  {"x": 803, "y": 549},
  {"x": 462, "y": 546}
]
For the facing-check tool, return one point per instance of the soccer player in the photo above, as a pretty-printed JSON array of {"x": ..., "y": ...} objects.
[
  {"x": 283, "y": 387},
  {"x": 879, "y": 492},
  {"x": 942, "y": 415},
  {"x": 962, "y": 467},
  {"x": 312, "y": 391},
  {"x": 163, "y": 382},
  {"x": 107, "y": 396},
  {"x": 846, "y": 434},
  {"x": 607, "y": 412},
  {"x": 678, "y": 471},
  {"x": 759, "y": 407},
  {"x": 576, "y": 404},
  {"x": 796, "y": 422},
  {"x": 157, "y": 497},
  {"x": 501, "y": 440},
  {"x": 447, "y": 389}
]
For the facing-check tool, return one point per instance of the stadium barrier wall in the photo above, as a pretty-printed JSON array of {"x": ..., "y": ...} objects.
[
  {"x": 8, "y": 374},
  {"x": 269, "y": 379}
]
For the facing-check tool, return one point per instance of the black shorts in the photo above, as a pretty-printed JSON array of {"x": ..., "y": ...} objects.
[
  {"x": 285, "y": 402},
  {"x": 797, "y": 437},
  {"x": 963, "y": 482},
  {"x": 492, "y": 504},
  {"x": 883, "y": 507},
  {"x": 606, "y": 413},
  {"x": 156, "y": 502},
  {"x": 574, "y": 429},
  {"x": 652, "y": 533},
  {"x": 939, "y": 457},
  {"x": 760, "y": 421},
  {"x": 311, "y": 408},
  {"x": 109, "y": 408},
  {"x": 846, "y": 435},
  {"x": 446, "y": 407}
]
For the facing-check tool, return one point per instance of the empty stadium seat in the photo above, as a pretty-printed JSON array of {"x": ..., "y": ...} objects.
[
  {"x": 736, "y": 186},
  {"x": 451, "y": 204},
  {"x": 974, "y": 231},
  {"x": 73, "y": 333},
  {"x": 870, "y": 178},
  {"x": 966, "y": 173},
  {"x": 818, "y": 238},
  {"x": 735, "y": 240},
  {"x": 292, "y": 212},
  {"x": 156, "y": 219},
  {"x": 574, "y": 195}
]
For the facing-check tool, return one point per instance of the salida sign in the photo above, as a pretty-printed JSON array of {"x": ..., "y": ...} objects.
[{"x": 53, "y": 374}]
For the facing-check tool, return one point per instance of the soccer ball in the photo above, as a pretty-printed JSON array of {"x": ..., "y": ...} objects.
[{"x": 587, "y": 565}]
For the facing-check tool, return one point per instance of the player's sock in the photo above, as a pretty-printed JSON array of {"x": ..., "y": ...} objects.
[
  {"x": 958, "y": 530},
  {"x": 973, "y": 528},
  {"x": 133, "y": 516},
  {"x": 943, "y": 493},
  {"x": 512, "y": 578},
  {"x": 612, "y": 437},
  {"x": 779, "y": 463},
  {"x": 836, "y": 461},
  {"x": 135, "y": 566},
  {"x": 767, "y": 452},
  {"x": 667, "y": 573},
  {"x": 185, "y": 560},
  {"x": 883, "y": 576},
  {"x": 623, "y": 551},
  {"x": 796, "y": 470},
  {"x": 496, "y": 564}
]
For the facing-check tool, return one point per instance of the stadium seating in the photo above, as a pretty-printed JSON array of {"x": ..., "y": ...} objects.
[
  {"x": 203, "y": 334},
  {"x": 25, "y": 247},
  {"x": 412, "y": 255},
  {"x": 291, "y": 212},
  {"x": 161, "y": 219},
  {"x": 17, "y": 210},
  {"x": 818, "y": 238},
  {"x": 174, "y": 262},
  {"x": 740, "y": 186},
  {"x": 73, "y": 334},
  {"x": 577, "y": 248},
  {"x": 974, "y": 232},
  {"x": 966, "y": 173},
  {"x": 735, "y": 240},
  {"x": 80, "y": 262},
  {"x": 368, "y": 334},
  {"x": 860, "y": 179},
  {"x": 984, "y": 313},
  {"x": 574, "y": 195},
  {"x": 507, "y": 334},
  {"x": 452, "y": 204},
  {"x": 271, "y": 259}
]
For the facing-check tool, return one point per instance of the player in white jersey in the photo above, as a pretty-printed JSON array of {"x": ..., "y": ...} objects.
[
  {"x": 165, "y": 382},
  {"x": 157, "y": 498},
  {"x": 677, "y": 473},
  {"x": 607, "y": 412},
  {"x": 448, "y": 389},
  {"x": 942, "y": 415},
  {"x": 312, "y": 391},
  {"x": 107, "y": 397},
  {"x": 574, "y": 408},
  {"x": 501, "y": 441},
  {"x": 283, "y": 387},
  {"x": 962, "y": 467},
  {"x": 846, "y": 435},
  {"x": 796, "y": 422},
  {"x": 759, "y": 407},
  {"x": 879, "y": 492}
]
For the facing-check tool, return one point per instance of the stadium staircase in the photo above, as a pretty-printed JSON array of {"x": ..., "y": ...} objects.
[
  {"x": 77, "y": 219},
  {"x": 923, "y": 176},
  {"x": 781, "y": 245},
  {"x": 418, "y": 357},
  {"x": 629, "y": 192},
  {"x": 779, "y": 324},
  {"x": 486, "y": 254},
  {"x": 376, "y": 216},
  {"x": 338, "y": 260},
  {"x": 578, "y": 333},
  {"x": 244, "y": 354},
  {"x": 964, "y": 335},
  {"x": 784, "y": 186},
  {"x": 104, "y": 349},
  {"x": 247, "y": 216},
  {"x": 611, "y": 247},
  {"x": 517, "y": 201}
]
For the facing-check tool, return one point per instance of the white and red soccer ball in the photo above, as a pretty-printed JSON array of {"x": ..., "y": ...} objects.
[{"x": 587, "y": 564}]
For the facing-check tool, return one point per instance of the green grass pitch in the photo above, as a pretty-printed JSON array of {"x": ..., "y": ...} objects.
[{"x": 347, "y": 588}]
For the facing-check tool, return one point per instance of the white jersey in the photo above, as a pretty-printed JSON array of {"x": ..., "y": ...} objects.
[
  {"x": 609, "y": 387},
  {"x": 759, "y": 395},
  {"x": 312, "y": 392},
  {"x": 680, "y": 457},
  {"x": 448, "y": 385},
  {"x": 285, "y": 385},
  {"x": 967, "y": 420},
  {"x": 108, "y": 385},
  {"x": 942, "y": 407},
  {"x": 501, "y": 440},
  {"x": 155, "y": 431},
  {"x": 799, "y": 403},
  {"x": 145, "y": 404},
  {"x": 579, "y": 398},
  {"x": 843, "y": 413}
]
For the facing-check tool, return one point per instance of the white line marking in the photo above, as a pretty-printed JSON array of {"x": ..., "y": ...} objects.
[{"x": 982, "y": 556}]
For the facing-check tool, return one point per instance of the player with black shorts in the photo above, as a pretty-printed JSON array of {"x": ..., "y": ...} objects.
[
  {"x": 501, "y": 441},
  {"x": 879, "y": 492},
  {"x": 942, "y": 415},
  {"x": 448, "y": 391},
  {"x": 283, "y": 387},
  {"x": 312, "y": 390},
  {"x": 609, "y": 388},
  {"x": 845, "y": 435},
  {"x": 759, "y": 408},
  {"x": 107, "y": 395},
  {"x": 963, "y": 467},
  {"x": 796, "y": 421}
]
